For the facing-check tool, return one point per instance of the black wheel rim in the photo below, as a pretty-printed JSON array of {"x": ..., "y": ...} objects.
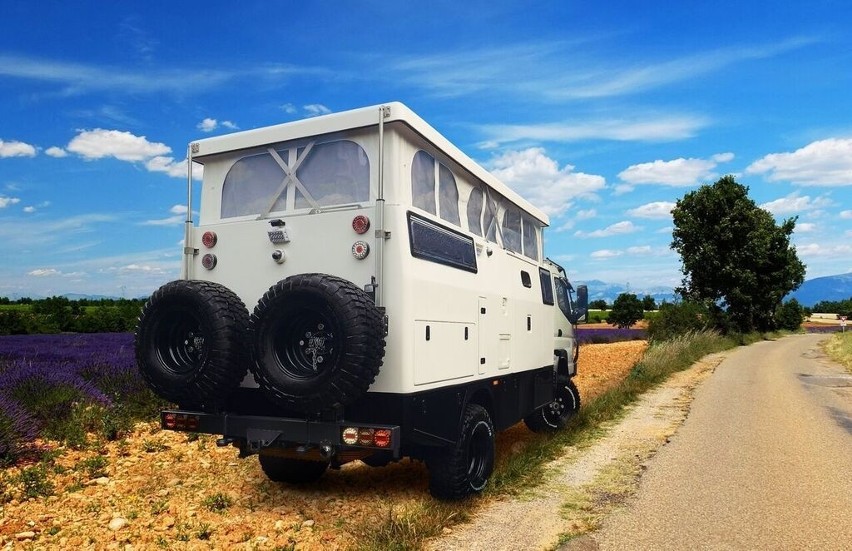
[
  {"x": 180, "y": 341},
  {"x": 479, "y": 453},
  {"x": 560, "y": 408},
  {"x": 307, "y": 344}
]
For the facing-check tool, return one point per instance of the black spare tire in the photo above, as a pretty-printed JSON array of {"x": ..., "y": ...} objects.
[
  {"x": 318, "y": 342},
  {"x": 191, "y": 343}
]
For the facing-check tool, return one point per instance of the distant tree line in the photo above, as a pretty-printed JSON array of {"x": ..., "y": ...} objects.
[
  {"x": 840, "y": 307},
  {"x": 61, "y": 315}
]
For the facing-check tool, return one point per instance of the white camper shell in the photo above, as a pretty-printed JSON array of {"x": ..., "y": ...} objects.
[{"x": 402, "y": 303}]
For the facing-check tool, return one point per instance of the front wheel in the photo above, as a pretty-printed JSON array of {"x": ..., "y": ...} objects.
[
  {"x": 555, "y": 415},
  {"x": 458, "y": 471}
]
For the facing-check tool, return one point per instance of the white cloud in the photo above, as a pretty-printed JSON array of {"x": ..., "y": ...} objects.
[
  {"x": 678, "y": 172},
  {"x": 16, "y": 149},
  {"x": 643, "y": 250},
  {"x": 209, "y": 125},
  {"x": 6, "y": 201},
  {"x": 178, "y": 217},
  {"x": 44, "y": 272},
  {"x": 846, "y": 215},
  {"x": 805, "y": 227},
  {"x": 586, "y": 214},
  {"x": 124, "y": 146},
  {"x": 178, "y": 209},
  {"x": 604, "y": 254},
  {"x": 657, "y": 209},
  {"x": 56, "y": 152},
  {"x": 540, "y": 180},
  {"x": 816, "y": 250},
  {"x": 175, "y": 169},
  {"x": 289, "y": 108},
  {"x": 316, "y": 109},
  {"x": 29, "y": 209},
  {"x": 619, "y": 228},
  {"x": 794, "y": 203},
  {"x": 621, "y": 189},
  {"x": 820, "y": 163}
]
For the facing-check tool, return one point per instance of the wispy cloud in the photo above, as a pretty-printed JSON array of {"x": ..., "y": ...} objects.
[
  {"x": 560, "y": 71},
  {"x": 795, "y": 203},
  {"x": 619, "y": 228},
  {"x": 644, "y": 128}
]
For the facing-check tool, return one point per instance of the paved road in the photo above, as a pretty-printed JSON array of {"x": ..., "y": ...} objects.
[{"x": 764, "y": 460}]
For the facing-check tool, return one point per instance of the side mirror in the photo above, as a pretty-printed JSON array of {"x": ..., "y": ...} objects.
[{"x": 581, "y": 305}]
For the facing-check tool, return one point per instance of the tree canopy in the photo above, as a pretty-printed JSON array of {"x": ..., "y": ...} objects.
[
  {"x": 734, "y": 255},
  {"x": 626, "y": 310}
]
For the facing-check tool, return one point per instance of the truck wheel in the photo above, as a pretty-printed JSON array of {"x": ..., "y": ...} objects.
[
  {"x": 293, "y": 471},
  {"x": 191, "y": 342},
  {"x": 555, "y": 415},
  {"x": 458, "y": 471},
  {"x": 318, "y": 342}
]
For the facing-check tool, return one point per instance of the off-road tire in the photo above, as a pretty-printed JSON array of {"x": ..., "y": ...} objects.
[
  {"x": 191, "y": 343},
  {"x": 458, "y": 471},
  {"x": 555, "y": 415},
  {"x": 292, "y": 471},
  {"x": 317, "y": 342}
]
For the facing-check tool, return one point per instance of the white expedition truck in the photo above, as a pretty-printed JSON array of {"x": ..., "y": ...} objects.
[{"x": 402, "y": 305}]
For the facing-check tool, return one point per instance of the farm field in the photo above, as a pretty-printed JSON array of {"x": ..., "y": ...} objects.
[{"x": 154, "y": 488}]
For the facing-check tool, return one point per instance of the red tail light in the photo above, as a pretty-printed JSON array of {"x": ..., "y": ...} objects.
[
  {"x": 208, "y": 261},
  {"x": 209, "y": 239},
  {"x": 360, "y": 224}
]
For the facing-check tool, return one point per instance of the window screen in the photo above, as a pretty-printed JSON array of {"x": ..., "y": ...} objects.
[{"x": 423, "y": 182}]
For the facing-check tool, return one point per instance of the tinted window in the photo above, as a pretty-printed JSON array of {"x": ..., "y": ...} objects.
[
  {"x": 430, "y": 241},
  {"x": 546, "y": 286}
]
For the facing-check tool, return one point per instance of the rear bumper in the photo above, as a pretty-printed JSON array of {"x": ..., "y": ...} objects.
[{"x": 251, "y": 433}]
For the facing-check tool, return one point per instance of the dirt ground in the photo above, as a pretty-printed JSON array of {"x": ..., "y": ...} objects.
[{"x": 168, "y": 490}]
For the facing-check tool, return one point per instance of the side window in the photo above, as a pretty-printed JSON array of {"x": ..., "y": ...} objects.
[
  {"x": 489, "y": 220},
  {"x": 511, "y": 228},
  {"x": 423, "y": 182},
  {"x": 448, "y": 200},
  {"x": 249, "y": 184},
  {"x": 562, "y": 298},
  {"x": 530, "y": 238},
  {"x": 474, "y": 211},
  {"x": 546, "y": 286}
]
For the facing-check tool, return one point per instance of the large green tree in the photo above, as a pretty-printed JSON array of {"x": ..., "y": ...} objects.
[
  {"x": 734, "y": 254},
  {"x": 626, "y": 311}
]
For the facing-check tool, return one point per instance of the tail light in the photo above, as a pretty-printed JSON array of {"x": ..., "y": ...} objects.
[
  {"x": 180, "y": 421},
  {"x": 367, "y": 437},
  {"x": 360, "y": 250},
  {"x": 360, "y": 224},
  {"x": 208, "y": 261},
  {"x": 209, "y": 239}
]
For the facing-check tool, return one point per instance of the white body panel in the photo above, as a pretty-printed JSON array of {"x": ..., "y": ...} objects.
[{"x": 481, "y": 324}]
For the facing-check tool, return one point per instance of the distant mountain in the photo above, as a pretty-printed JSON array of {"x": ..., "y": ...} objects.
[
  {"x": 610, "y": 291},
  {"x": 830, "y": 288}
]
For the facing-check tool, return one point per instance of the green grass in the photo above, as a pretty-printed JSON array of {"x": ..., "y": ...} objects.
[{"x": 839, "y": 349}]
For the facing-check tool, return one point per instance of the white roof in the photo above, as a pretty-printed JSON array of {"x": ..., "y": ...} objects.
[{"x": 357, "y": 118}]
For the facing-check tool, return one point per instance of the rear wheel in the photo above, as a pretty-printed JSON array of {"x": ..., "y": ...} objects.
[
  {"x": 555, "y": 415},
  {"x": 458, "y": 471},
  {"x": 293, "y": 471},
  {"x": 191, "y": 342}
]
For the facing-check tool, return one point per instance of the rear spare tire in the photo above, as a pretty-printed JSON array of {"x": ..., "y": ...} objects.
[
  {"x": 191, "y": 343},
  {"x": 318, "y": 342}
]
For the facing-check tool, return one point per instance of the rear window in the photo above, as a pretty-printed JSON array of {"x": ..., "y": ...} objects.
[{"x": 285, "y": 178}]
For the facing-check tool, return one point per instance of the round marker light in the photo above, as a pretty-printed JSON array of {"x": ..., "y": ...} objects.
[
  {"x": 382, "y": 438},
  {"x": 209, "y": 239},
  {"x": 208, "y": 261},
  {"x": 350, "y": 436},
  {"x": 360, "y": 250},
  {"x": 360, "y": 224},
  {"x": 365, "y": 436}
]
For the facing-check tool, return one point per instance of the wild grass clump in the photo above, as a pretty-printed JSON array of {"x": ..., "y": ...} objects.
[
  {"x": 839, "y": 349},
  {"x": 409, "y": 528}
]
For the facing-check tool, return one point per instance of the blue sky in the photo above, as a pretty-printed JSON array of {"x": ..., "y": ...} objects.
[{"x": 602, "y": 113}]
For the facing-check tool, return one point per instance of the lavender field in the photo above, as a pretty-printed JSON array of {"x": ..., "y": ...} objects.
[
  {"x": 602, "y": 335},
  {"x": 66, "y": 386}
]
